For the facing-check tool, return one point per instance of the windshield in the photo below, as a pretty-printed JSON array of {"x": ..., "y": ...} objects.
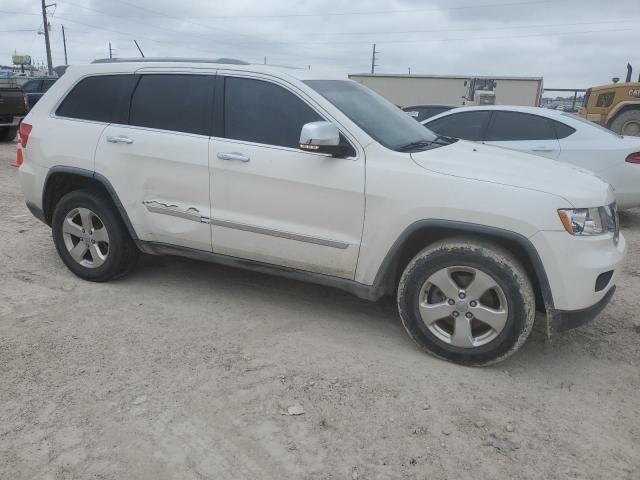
[{"x": 382, "y": 120}]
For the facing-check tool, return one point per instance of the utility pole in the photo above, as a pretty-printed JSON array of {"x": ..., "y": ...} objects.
[
  {"x": 64, "y": 43},
  {"x": 265, "y": 60},
  {"x": 373, "y": 59},
  {"x": 110, "y": 51},
  {"x": 46, "y": 37},
  {"x": 139, "y": 49}
]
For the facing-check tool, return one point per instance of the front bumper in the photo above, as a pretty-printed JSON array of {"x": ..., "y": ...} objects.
[
  {"x": 563, "y": 320},
  {"x": 574, "y": 265}
]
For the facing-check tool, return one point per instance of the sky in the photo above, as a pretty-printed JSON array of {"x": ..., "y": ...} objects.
[{"x": 571, "y": 43}]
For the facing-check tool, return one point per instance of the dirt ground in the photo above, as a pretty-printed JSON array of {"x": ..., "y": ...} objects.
[{"x": 185, "y": 370}]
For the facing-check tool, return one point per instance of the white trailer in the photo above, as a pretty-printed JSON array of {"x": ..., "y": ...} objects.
[{"x": 409, "y": 90}]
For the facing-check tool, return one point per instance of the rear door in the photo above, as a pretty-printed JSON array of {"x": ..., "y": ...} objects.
[
  {"x": 524, "y": 132},
  {"x": 70, "y": 136},
  {"x": 158, "y": 162},
  {"x": 273, "y": 202}
]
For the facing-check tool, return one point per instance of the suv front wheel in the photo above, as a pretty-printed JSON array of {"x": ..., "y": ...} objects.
[
  {"x": 467, "y": 300},
  {"x": 91, "y": 238}
]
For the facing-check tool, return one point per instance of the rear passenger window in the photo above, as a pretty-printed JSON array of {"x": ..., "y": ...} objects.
[
  {"x": 47, "y": 84},
  {"x": 103, "y": 98},
  {"x": 261, "y": 112},
  {"x": 181, "y": 103},
  {"x": 563, "y": 130},
  {"x": 513, "y": 126},
  {"x": 31, "y": 86},
  {"x": 465, "y": 125}
]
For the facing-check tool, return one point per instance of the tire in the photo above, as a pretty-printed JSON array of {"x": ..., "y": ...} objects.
[
  {"x": 627, "y": 123},
  {"x": 482, "y": 280},
  {"x": 109, "y": 251},
  {"x": 8, "y": 134}
]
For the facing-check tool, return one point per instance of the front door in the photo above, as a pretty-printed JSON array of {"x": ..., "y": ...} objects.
[
  {"x": 158, "y": 164},
  {"x": 272, "y": 202}
]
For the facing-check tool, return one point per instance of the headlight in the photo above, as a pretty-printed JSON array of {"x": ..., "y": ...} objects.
[{"x": 590, "y": 221}]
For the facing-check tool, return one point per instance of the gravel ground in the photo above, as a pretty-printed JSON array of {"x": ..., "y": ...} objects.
[{"x": 186, "y": 370}]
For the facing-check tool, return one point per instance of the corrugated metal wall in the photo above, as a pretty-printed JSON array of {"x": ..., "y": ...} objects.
[{"x": 407, "y": 90}]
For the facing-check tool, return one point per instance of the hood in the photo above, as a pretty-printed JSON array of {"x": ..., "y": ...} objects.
[{"x": 581, "y": 188}]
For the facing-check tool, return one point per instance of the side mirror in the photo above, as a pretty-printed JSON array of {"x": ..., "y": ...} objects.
[{"x": 322, "y": 137}]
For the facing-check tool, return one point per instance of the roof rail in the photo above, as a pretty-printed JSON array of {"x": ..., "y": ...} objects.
[{"x": 228, "y": 61}]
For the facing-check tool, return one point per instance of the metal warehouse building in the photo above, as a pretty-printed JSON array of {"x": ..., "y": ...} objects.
[{"x": 406, "y": 90}]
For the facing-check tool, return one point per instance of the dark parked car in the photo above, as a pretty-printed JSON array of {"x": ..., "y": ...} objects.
[
  {"x": 35, "y": 88},
  {"x": 422, "y": 112},
  {"x": 12, "y": 109}
]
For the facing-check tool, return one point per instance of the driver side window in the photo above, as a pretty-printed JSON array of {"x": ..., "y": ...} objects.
[{"x": 262, "y": 112}]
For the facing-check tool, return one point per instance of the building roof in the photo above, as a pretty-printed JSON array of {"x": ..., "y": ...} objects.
[{"x": 461, "y": 77}]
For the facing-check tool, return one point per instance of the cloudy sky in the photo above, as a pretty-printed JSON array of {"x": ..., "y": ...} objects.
[{"x": 571, "y": 43}]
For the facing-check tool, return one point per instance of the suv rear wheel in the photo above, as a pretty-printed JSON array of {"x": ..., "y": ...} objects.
[
  {"x": 467, "y": 300},
  {"x": 91, "y": 238}
]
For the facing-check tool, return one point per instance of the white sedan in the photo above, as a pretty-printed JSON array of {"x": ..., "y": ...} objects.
[{"x": 554, "y": 134}]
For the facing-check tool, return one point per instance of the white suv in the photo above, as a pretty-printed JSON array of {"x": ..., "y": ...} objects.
[{"x": 319, "y": 180}]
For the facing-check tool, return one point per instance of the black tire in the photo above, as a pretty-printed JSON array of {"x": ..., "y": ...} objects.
[
  {"x": 122, "y": 253},
  {"x": 627, "y": 123},
  {"x": 8, "y": 134},
  {"x": 476, "y": 255}
]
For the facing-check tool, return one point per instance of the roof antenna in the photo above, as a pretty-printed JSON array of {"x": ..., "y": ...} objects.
[{"x": 139, "y": 49}]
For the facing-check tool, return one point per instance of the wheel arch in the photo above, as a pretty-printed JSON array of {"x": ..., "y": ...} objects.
[
  {"x": 61, "y": 180},
  {"x": 621, "y": 108},
  {"x": 425, "y": 232}
]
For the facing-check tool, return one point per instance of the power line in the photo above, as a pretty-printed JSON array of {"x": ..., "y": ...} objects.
[
  {"x": 362, "y": 12},
  {"x": 181, "y": 33},
  {"x": 467, "y": 39},
  {"x": 447, "y": 30},
  {"x": 20, "y": 13},
  {"x": 172, "y": 17}
]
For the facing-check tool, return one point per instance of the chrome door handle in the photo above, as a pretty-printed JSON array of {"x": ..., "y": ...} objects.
[
  {"x": 233, "y": 156},
  {"x": 542, "y": 149},
  {"x": 119, "y": 139}
]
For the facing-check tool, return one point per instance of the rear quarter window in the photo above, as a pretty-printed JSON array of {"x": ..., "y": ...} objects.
[
  {"x": 102, "y": 98},
  {"x": 31, "y": 86},
  {"x": 563, "y": 130}
]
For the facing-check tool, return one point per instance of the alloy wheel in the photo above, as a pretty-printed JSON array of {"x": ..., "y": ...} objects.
[
  {"x": 463, "y": 306},
  {"x": 85, "y": 237}
]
